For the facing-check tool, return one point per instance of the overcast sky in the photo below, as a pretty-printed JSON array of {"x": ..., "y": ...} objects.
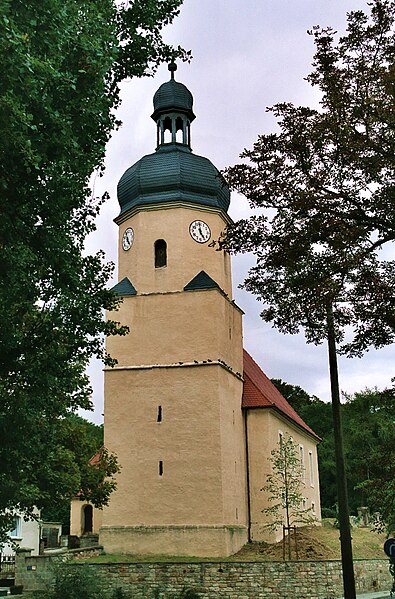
[{"x": 247, "y": 55}]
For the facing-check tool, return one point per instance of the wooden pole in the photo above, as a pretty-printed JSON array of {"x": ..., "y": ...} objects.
[{"x": 296, "y": 543}]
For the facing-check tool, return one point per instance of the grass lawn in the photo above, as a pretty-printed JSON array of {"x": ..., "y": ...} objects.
[{"x": 314, "y": 543}]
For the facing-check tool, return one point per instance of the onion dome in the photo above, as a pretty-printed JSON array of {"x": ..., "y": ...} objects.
[
  {"x": 173, "y": 96},
  {"x": 173, "y": 173}
]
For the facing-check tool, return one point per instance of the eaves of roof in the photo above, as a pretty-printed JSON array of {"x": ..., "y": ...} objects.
[{"x": 259, "y": 392}]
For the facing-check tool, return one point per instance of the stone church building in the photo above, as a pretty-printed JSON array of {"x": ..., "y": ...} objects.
[{"x": 189, "y": 413}]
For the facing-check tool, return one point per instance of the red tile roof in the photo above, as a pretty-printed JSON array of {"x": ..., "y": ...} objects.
[
  {"x": 259, "y": 392},
  {"x": 95, "y": 459}
]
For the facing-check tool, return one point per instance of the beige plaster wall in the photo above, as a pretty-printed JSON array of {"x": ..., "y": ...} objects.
[
  {"x": 263, "y": 428},
  {"x": 173, "y": 226},
  {"x": 182, "y": 358},
  {"x": 178, "y": 327},
  {"x": 77, "y": 517},
  {"x": 233, "y": 463},
  {"x": 189, "y": 442}
]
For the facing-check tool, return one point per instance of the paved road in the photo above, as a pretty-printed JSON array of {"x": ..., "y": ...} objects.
[{"x": 378, "y": 595}]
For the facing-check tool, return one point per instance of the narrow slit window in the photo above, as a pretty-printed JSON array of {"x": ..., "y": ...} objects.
[
  {"x": 160, "y": 468},
  {"x": 159, "y": 416},
  {"x": 160, "y": 253}
]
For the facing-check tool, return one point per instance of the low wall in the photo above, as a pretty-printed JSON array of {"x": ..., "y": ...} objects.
[
  {"x": 212, "y": 580},
  {"x": 36, "y": 573}
]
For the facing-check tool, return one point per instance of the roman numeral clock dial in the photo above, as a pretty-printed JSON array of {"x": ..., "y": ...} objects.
[{"x": 199, "y": 231}]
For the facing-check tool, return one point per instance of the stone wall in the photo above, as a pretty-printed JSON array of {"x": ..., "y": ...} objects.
[
  {"x": 36, "y": 572},
  {"x": 258, "y": 580}
]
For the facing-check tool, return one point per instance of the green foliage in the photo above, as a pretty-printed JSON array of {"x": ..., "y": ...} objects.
[
  {"x": 369, "y": 441},
  {"x": 369, "y": 426},
  {"x": 62, "y": 62},
  {"x": 327, "y": 177},
  {"x": 284, "y": 486},
  {"x": 83, "y": 440},
  {"x": 75, "y": 582},
  {"x": 189, "y": 594}
]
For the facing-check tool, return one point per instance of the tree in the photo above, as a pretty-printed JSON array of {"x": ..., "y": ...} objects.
[
  {"x": 369, "y": 437},
  {"x": 82, "y": 440},
  {"x": 62, "y": 62},
  {"x": 328, "y": 178},
  {"x": 369, "y": 426},
  {"x": 284, "y": 488}
]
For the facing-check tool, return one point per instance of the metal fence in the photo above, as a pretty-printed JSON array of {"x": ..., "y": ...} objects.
[{"x": 7, "y": 563}]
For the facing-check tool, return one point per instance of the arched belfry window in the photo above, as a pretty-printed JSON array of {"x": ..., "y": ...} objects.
[
  {"x": 180, "y": 131},
  {"x": 167, "y": 130},
  {"x": 160, "y": 253}
]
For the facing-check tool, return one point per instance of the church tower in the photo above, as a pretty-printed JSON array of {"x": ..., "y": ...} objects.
[{"x": 173, "y": 401}]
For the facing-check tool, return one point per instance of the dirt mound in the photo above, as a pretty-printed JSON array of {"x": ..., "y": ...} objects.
[{"x": 308, "y": 548}]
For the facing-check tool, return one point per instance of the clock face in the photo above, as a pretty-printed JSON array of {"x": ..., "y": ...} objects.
[
  {"x": 199, "y": 231},
  {"x": 127, "y": 239}
]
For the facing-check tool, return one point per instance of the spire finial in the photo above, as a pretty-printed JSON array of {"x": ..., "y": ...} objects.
[{"x": 172, "y": 68}]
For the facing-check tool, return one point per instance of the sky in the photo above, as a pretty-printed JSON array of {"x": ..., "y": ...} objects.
[{"x": 247, "y": 55}]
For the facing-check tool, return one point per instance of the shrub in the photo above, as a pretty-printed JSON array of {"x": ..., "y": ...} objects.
[
  {"x": 190, "y": 594},
  {"x": 75, "y": 582}
]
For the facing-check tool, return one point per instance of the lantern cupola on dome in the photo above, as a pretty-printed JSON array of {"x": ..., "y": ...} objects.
[
  {"x": 173, "y": 110},
  {"x": 173, "y": 173}
]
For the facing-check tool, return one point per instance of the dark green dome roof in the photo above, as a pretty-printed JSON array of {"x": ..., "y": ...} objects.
[
  {"x": 173, "y": 95},
  {"x": 173, "y": 174}
]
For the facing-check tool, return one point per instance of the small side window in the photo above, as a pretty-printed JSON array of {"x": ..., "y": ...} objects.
[
  {"x": 17, "y": 530},
  {"x": 302, "y": 466},
  {"x": 160, "y": 253},
  {"x": 311, "y": 468}
]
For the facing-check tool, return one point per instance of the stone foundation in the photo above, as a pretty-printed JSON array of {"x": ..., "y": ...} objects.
[{"x": 199, "y": 541}]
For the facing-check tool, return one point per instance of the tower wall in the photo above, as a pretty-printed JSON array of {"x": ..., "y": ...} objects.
[
  {"x": 181, "y": 364},
  {"x": 195, "y": 505},
  {"x": 185, "y": 257},
  {"x": 183, "y": 326}
]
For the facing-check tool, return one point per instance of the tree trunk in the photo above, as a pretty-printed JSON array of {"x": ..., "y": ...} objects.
[{"x": 344, "y": 516}]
